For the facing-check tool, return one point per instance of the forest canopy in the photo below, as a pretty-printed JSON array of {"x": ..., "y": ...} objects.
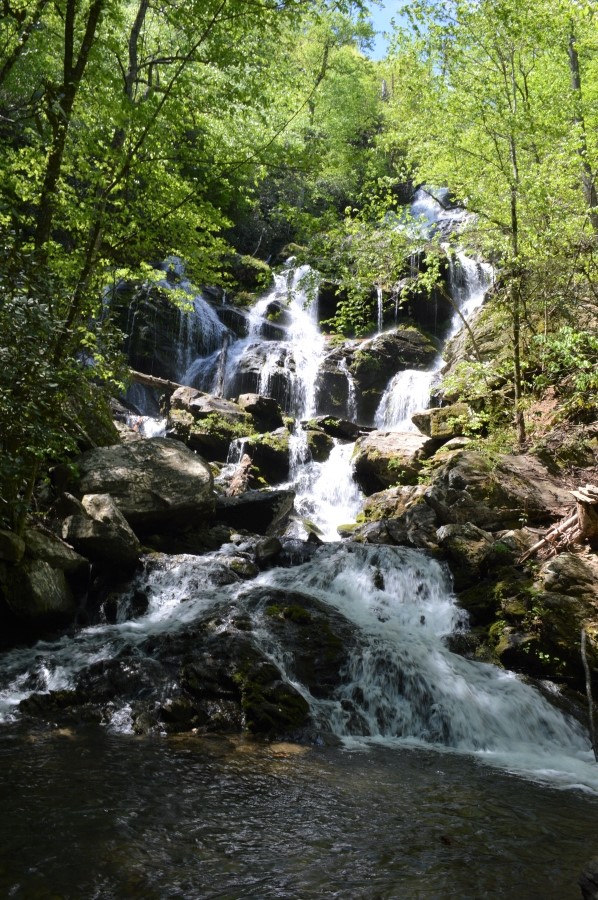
[{"x": 135, "y": 131}]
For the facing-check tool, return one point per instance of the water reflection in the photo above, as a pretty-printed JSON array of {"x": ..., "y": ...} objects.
[{"x": 101, "y": 815}]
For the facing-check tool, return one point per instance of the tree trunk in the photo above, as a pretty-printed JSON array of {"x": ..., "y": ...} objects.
[{"x": 588, "y": 180}]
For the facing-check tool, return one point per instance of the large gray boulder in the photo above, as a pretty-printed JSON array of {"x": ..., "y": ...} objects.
[
  {"x": 495, "y": 492},
  {"x": 153, "y": 482},
  {"x": 103, "y": 534},
  {"x": 385, "y": 458},
  {"x": 38, "y": 594}
]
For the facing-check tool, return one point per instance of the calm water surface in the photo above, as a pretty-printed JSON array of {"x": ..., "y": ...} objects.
[{"x": 100, "y": 815}]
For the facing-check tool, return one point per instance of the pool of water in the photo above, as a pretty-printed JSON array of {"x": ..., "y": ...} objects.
[{"x": 98, "y": 815}]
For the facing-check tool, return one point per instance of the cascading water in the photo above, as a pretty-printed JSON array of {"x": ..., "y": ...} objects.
[
  {"x": 401, "y": 685},
  {"x": 468, "y": 281}
]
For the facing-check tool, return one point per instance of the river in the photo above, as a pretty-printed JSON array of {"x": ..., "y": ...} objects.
[{"x": 93, "y": 814}]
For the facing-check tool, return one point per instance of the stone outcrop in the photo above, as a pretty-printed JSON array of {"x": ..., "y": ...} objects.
[
  {"x": 265, "y": 411},
  {"x": 261, "y": 512},
  {"x": 207, "y": 424},
  {"x": 154, "y": 483},
  {"x": 103, "y": 534},
  {"x": 385, "y": 458},
  {"x": 471, "y": 488},
  {"x": 444, "y": 423},
  {"x": 375, "y": 362}
]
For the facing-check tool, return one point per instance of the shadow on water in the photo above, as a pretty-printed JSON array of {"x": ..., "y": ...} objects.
[{"x": 99, "y": 815}]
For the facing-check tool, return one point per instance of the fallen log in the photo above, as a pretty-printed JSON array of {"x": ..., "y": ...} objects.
[
  {"x": 153, "y": 381},
  {"x": 550, "y": 535}
]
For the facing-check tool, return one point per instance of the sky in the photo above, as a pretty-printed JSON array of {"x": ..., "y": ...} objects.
[{"x": 380, "y": 18}]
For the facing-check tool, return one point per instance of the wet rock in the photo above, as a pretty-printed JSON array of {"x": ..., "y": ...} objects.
[
  {"x": 207, "y": 424},
  {"x": 267, "y": 551},
  {"x": 377, "y": 360},
  {"x": 156, "y": 482},
  {"x": 317, "y": 639},
  {"x": 319, "y": 444},
  {"x": 385, "y": 458},
  {"x": 332, "y": 384},
  {"x": 265, "y": 411},
  {"x": 270, "y": 453},
  {"x": 202, "y": 405},
  {"x": 263, "y": 512},
  {"x": 103, "y": 534},
  {"x": 272, "y": 357},
  {"x": 340, "y": 428},
  {"x": 588, "y": 880}
]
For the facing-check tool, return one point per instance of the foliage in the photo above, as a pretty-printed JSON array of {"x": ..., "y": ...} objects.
[{"x": 570, "y": 359}]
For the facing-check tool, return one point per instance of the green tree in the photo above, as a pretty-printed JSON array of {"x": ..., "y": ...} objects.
[{"x": 495, "y": 115}]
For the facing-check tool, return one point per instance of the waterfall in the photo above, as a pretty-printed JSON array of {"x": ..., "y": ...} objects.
[
  {"x": 401, "y": 684},
  {"x": 469, "y": 279},
  {"x": 407, "y": 392},
  {"x": 406, "y": 685},
  {"x": 201, "y": 332}
]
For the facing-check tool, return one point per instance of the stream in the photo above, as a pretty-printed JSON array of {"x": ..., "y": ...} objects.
[{"x": 429, "y": 775}]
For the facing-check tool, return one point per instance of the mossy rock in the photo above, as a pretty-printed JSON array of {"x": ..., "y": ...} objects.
[
  {"x": 249, "y": 273},
  {"x": 320, "y": 444},
  {"x": 210, "y": 436}
]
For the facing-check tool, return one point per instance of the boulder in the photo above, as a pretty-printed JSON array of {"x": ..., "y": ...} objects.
[
  {"x": 333, "y": 394},
  {"x": 319, "y": 444},
  {"x": 207, "y": 424},
  {"x": 340, "y": 428},
  {"x": 202, "y": 405},
  {"x": 385, "y": 458},
  {"x": 495, "y": 492},
  {"x": 38, "y": 594},
  {"x": 265, "y": 411},
  {"x": 270, "y": 453},
  {"x": 260, "y": 512},
  {"x": 467, "y": 548},
  {"x": 154, "y": 483},
  {"x": 51, "y": 549},
  {"x": 103, "y": 534},
  {"x": 12, "y": 547},
  {"x": 444, "y": 423}
]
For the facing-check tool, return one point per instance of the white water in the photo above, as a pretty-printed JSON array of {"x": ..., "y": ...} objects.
[
  {"x": 402, "y": 684},
  {"x": 405, "y": 686},
  {"x": 409, "y": 391},
  {"x": 200, "y": 330}
]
